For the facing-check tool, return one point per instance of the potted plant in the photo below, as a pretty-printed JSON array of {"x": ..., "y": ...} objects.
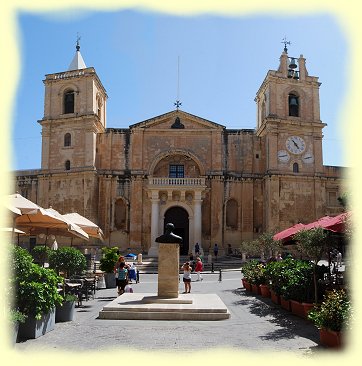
[
  {"x": 35, "y": 294},
  {"x": 247, "y": 271},
  {"x": 68, "y": 260},
  {"x": 332, "y": 317},
  {"x": 254, "y": 273},
  {"x": 16, "y": 318},
  {"x": 64, "y": 312},
  {"x": 107, "y": 264}
]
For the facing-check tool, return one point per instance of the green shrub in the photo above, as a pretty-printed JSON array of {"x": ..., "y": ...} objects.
[
  {"x": 293, "y": 278},
  {"x": 254, "y": 272},
  {"x": 35, "y": 289},
  {"x": 298, "y": 284},
  {"x": 109, "y": 259},
  {"x": 40, "y": 253},
  {"x": 67, "y": 259},
  {"x": 334, "y": 313},
  {"x": 17, "y": 316}
]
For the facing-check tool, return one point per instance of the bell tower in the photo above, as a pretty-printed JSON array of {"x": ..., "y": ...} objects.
[
  {"x": 74, "y": 113},
  {"x": 288, "y": 118}
]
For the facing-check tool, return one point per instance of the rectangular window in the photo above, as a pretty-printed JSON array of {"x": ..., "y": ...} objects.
[
  {"x": 176, "y": 171},
  {"x": 332, "y": 198}
]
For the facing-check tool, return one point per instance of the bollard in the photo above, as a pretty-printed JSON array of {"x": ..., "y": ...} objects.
[
  {"x": 137, "y": 276},
  {"x": 212, "y": 267},
  {"x": 220, "y": 277}
]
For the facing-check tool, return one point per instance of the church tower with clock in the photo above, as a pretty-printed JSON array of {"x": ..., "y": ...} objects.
[{"x": 289, "y": 124}]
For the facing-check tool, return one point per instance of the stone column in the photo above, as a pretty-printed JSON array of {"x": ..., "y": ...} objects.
[
  {"x": 197, "y": 222},
  {"x": 153, "y": 251},
  {"x": 168, "y": 270}
]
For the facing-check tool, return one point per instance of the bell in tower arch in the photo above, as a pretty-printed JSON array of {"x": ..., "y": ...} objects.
[{"x": 293, "y": 102}]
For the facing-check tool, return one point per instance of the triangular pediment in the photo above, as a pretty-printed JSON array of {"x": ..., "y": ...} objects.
[{"x": 177, "y": 120}]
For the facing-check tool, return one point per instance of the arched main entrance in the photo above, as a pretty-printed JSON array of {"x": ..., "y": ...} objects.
[{"x": 180, "y": 218}]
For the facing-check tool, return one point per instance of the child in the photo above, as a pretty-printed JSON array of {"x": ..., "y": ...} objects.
[{"x": 122, "y": 279}]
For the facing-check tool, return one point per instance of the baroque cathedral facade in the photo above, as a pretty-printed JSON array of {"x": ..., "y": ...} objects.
[{"x": 216, "y": 185}]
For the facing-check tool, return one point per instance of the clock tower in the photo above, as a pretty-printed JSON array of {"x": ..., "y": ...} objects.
[{"x": 288, "y": 118}]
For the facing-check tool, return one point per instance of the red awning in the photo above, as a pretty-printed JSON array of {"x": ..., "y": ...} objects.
[
  {"x": 335, "y": 223},
  {"x": 288, "y": 234}
]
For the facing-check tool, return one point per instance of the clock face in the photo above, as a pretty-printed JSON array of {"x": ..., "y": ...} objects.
[
  {"x": 295, "y": 144},
  {"x": 308, "y": 158},
  {"x": 283, "y": 156}
]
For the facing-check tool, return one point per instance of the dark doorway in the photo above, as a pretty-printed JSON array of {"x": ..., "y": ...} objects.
[{"x": 180, "y": 218}]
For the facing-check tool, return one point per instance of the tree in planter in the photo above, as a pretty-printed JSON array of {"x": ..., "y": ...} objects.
[
  {"x": 40, "y": 253},
  {"x": 313, "y": 244},
  {"x": 67, "y": 259},
  {"x": 263, "y": 245},
  {"x": 268, "y": 245},
  {"x": 109, "y": 259}
]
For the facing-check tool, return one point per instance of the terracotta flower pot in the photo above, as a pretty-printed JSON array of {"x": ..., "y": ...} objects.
[
  {"x": 247, "y": 285},
  {"x": 255, "y": 289},
  {"x": 274, "y": 297},
  {"x": 285, "y": 304},
  {"x": 330, "y": 338},
  {"x": 307, "y": 308},
  {"x": 297, "y": 308},
  {"x": 264, "y": 291}
]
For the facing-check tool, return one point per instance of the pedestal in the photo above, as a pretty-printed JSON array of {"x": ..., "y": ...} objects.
[{"x": 168, "y": 270}]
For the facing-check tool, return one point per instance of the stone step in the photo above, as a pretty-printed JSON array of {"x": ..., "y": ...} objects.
[{"x": 131, "y": 315}]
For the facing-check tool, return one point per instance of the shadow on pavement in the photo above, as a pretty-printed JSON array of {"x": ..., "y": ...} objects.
[{"x": 290, "y": 324}]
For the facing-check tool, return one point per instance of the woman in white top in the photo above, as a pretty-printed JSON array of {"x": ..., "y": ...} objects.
[{"x": 187, "y": 276}]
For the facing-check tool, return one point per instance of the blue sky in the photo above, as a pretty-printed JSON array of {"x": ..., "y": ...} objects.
[{"x": 223, "y": 61}]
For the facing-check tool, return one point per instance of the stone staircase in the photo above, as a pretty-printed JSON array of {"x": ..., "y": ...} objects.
[{"x": 150, "y": 264}]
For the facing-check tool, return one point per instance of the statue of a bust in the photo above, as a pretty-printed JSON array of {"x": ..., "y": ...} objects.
[{"x": 169, "y": 236}]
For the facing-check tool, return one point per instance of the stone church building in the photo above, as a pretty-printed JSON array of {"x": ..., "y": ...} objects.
[{"x": 217, "y": 185}]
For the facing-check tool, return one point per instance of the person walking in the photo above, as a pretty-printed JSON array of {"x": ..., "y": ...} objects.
[
  {"x": 216, "y": 251},
  {"x": 339, "y": 259},
  {"x": 198, "y": 269},
  {"x": 197, "y": 249},
  {"x": 186, "y": 278}
]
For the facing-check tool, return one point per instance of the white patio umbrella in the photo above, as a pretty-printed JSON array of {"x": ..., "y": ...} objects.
[
  {"x": 88, "y": 226},
  {"x": 36, "y": 220},
  {"x": 10, "y": 230},
  {"x": 75, "y": 229}
]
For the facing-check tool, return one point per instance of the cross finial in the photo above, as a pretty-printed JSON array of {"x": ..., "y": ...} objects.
[
  {"x": 285, "y": 44},
  {"x": 177, "y": 104},
  {"x": 78, "y": 39}
]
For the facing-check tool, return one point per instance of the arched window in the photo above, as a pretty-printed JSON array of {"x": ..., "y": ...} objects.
[
  {"x": 295, "y": 168},
  {"x": 67, "y": 165},
  {"x": 232, "y": 214},
  {"x": 67, "y": 139},
  {"x": 69, "y": 102},
  {"x": 293, "y": 102},
  {"x": 120, "y": 215}
]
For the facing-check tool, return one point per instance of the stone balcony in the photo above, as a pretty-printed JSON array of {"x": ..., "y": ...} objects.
[{"x": 181, "y": 183}]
